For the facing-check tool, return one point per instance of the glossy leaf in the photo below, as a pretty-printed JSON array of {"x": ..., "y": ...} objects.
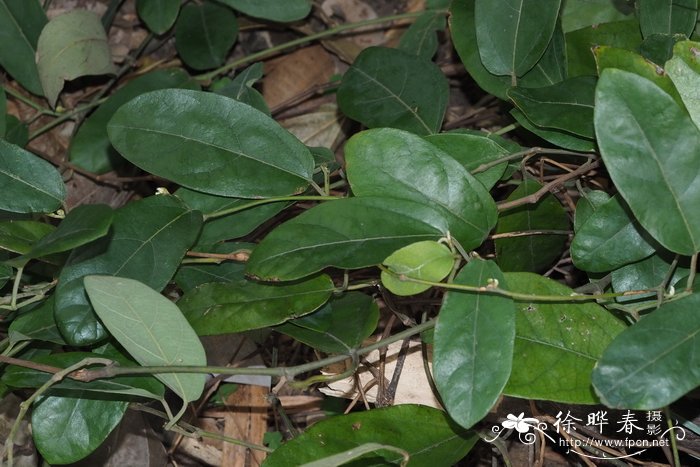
[
  {"x": 241, "y": 87},
  {"x": 556, "y": 137},
  {"x": 204, "y": 34},
  {"x": 339, "y": 326},
  {"x": 391, "y": 88},
  {"x": 473, "y": 348},
  {"x": 29, "y": 184},
  {"x": 66, "y": 428},
  {"x": 531, "y": 253},
  {"x": 71, "y": 45},
  {"x": 37, "y": 324},
  {"x": 159, "y": 15},
  {"x": 667, "y": 16},
  {"x": 239, "y": 151},
  {"x": 396, "y": 426},
  {"x": 684, "y": 70},
  {"x": 655, "y": 361},
  {"x": 577, "y": 14},
  {"x": 19, "y": 236},
  {"x": 274, "y": 10},
  {"x": 21, "y": 22},
  {"x": 649, "y": 273},
  {"x": 397, "y": 164},
  {"x": 82, "y": 225},
  {"x": 512, "y": 35},
  {"x": 556, "y": 344},
  {"x": 147, "y": 243},
  {"x": 346, "y": 233},
  {"x": 427, "y": 260},
  {"x": 649, "y": 146},
  {"x": 421, "y": 38},
  {"x": 566, "y": 106},
  {"x": 610, "y": 238},
  {"x": 579, "y": 43},
  {"x": 587, "y": 205},
  {"x": 191, "y": 275},
  {"x": 90, "y": 147},
  {"x": 151, "y": 328},
  {"x": 223, "y": 308}
]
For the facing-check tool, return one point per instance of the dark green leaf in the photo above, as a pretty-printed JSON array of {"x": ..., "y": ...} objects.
[
  {"x": 391, "y": 88},
  {"x": 397, "y": 164},
  {"x": 399, "y": 426},
  {"x": 90, "y": 147},
  {"x": 19, "y": 236},
  {"x": 241, "y": 87},
  {"x": 16, "y": 132},
  {"x": 531, "y": 253},
  {"x": 556, "y": 344},
  {"x": 28, "y": 184},
  {"x": 346, "y": 233},
  {"x": 512, "y": 35},
  {"x": 37, "y": 324},
  {"x": 421, "y": 37},
  {"x": 579, "y": 44},
  {"x": 238, "y": 151},
  {"x": 339, "y": 326},
  {"x": 274, "y": 10},
  {"x": 610, "y": 238},
  {"x": 147, "y": 242},
  {"x": 3, "y": 113},
  {"x": 191, "y": 275},
  {"x": 556, "y": 137},
  {"x": 650, "y": 146},
  {"x": 659, "y": 47},
  {"x": 151, "y": 328},
  {"x": 159, "y": 15},
  {"x": 21, "y": 22},
  {"x": 649, "y": 273},
  {"x": 473, "y": 349},
  {"x": 5, "y": 275},
  {"x": 667, "y": 16},
  {"x": 222, "y": 308},
  {"x": 587, "y": 205},
  {"x": 427, "y": 260},
  {"x": 71, "y": 45},
  {"x": 684, "y": 70},
  {"x": 204, "y": 34},
  {"x": 577, "y": 14},
  {"x": 566, "y": 106},
  {"x": 655, "y": 361},
  {"x": 67, "y": 428}
]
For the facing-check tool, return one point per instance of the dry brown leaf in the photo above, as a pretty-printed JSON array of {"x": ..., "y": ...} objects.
[{"x": 322, "y": 128}]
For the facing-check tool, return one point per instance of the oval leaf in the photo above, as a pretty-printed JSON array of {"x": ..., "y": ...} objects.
[
  {"x": 667, "y": 17},
  {"x": 21, "y": 23},
  {"x": 650, "y": 146},
  {"x": 684, "y": 70},
  {"x": 71, "y": 45},
  {"x": 391, "y": 88},
  {"x": 427, "y": 260},
  {"x": 159, "y": 15},
  {"x": 474, "y": 338},
  {"x": 19, "y": 236},
  {"x": 223, "y": 308},
  {"x": 274, "y": 10},
  {"x": 204, "y": 34},
  {"x": 239, "y": 151},
  {"x": 28, "y": 184},
  {"x": 151, "y": 328}
]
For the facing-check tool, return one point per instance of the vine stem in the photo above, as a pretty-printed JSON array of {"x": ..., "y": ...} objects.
[
  {"x": 529, "y": 153},
  {"x": 252, "y": 204},
  {"x": 310, "y": 38}
]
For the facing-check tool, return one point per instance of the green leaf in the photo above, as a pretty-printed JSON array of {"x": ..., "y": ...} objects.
[
  {"x": 556, "y": 344},
  {"x": 649, "y": 273},
  {"x": 148, "y": 240},
  {"x": 512, "y": 35},
  {"x": 204, "y": 34},
  {"x": 231, "y": 226},
  {"x": 556, "y": 137},
  {"x": 346, "y": 233},
  {"x": 29, "y": 184},
  {"x": 137, "y": 385},
  {"x": 159, "y": 15},
  {"x": 283, "y": 11},
  {"x": 21, "y": 22},
  {"x": 339, "y": 326},
  {"x": 223, "y": 308},
  {"x": 90, "y": 147},
  {"x": 684, "y": 70},
  {"x": 151, "y": 328},
  {"x": 391, "y": 88},
  {"x": 531, "y": 253},
  {"x": 16, "y": 131},
  {"x": 71, "y": 45},
  {"x": 67, "y": 428},
  {"x": 587, "y": 205},
  {"x": 620, "y": 34},
  {"x": 37, "y": 324},
  {"x": 5, "y": 275},
  {"x": 420, "y": 38},
  {"x": 566, "y": 106},
  {"x": 19, "y": 236},
  {"x": 659, "y": 47},
  {"x": 3, "y": 113},
  {"x": 239, "y": 151},
  {"x": 397, "y": 164},
  {"x": 650, "y": 146},
  {"x": 82, "y": 225},
  {"x": 473, "y": 349},
  {"x": 398, "y": 426},
  {"x": 427, "y": 260},
  {"x": 610, "y": 238},
  {"x": 655, "y": 361},
  {"x": 472, "y": 149},
  {"x": 667, "y": 16},
  {"x": 577, "y": 14},
  {"x": 241, "y": 87},
  {"x": 191, "y": 275}
]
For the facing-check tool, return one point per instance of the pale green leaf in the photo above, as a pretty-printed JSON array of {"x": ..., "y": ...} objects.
[
  {"x": 427, "y": 260},
  {"x": 684, "y": 71}
]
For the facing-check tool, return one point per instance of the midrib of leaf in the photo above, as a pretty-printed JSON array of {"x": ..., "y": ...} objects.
[
  {"x": 73, "y": 44},
  {"x": 210, "y": 48},
  {"x": 560, "y": 348},
  {"x": 519, "y": 12},
  {"x": 10, "y": 175},
  {"x": 14, "y": 21},
  {"x": 274, "y": 297}
]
